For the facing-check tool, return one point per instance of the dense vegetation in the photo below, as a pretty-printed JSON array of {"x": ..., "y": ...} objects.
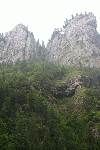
[{"x": 31, "y": 118}]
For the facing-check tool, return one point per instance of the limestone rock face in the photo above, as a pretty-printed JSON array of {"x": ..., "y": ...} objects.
[
  {"x": 78, "y": 43},
  {"x": 19, "y": 43},
  {"x": 68, "y": 88}
]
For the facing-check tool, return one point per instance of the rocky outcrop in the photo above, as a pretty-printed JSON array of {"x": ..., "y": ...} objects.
[
  {"x": 95, "y": 133},
  {"x": 19, "y": 43},
  {"x": 77, "y": 43},
  {"x": 67, "y": 89}
]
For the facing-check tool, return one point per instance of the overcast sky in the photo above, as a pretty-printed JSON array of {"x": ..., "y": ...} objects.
[{"x": 42, "y": 16}]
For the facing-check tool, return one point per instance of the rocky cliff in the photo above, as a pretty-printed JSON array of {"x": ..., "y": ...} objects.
[
  {"x": 78, "y": 42},
  {"x": 19, "y": 43}
]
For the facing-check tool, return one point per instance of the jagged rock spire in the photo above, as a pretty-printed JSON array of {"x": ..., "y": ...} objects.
[
  {"x": 20, "y": 44},
  {"x": 78, "y": 43}
]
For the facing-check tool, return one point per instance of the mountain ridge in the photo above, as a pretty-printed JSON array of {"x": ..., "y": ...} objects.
[{"x": 76, "y": 44}]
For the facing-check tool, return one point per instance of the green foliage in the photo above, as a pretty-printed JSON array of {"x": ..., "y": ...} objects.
[
  {"x": 30, "y": 118},
  {"x": 91, "y": 77}
]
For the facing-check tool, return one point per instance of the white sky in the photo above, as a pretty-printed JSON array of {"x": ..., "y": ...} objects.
[{"x": 42, "y": 16}]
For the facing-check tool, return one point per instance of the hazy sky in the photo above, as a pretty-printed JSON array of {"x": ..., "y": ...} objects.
[{"x": 42, "y": 16}]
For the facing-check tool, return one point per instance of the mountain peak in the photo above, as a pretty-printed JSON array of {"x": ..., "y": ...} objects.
[
  {"x": 78, "y": 44},
  {"x": 20, "y": 44},
  {"x": 19, "y": 26}
]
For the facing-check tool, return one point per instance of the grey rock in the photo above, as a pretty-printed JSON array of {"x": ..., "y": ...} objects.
[
  {"x": 95, "y": 133},
  {"x": 78, "y": 43},
  {"x": 69, "y": 88},
  {"x": 19, "y": 43}
]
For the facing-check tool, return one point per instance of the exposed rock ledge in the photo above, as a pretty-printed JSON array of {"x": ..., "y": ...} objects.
[
  {"x": 67, "y": 89},
  {"x": 95, "y": 133}
]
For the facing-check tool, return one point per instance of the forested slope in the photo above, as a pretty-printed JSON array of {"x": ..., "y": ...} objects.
[{"x": 33, "y": 117}]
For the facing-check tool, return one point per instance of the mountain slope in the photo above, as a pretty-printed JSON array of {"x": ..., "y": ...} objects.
[
  {"x": 39, "y": 110},
  {"x": 45, "y": 105}
]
